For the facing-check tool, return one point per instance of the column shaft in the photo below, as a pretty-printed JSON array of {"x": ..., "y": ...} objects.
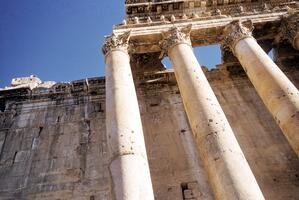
[
  {"x": 229, "y": 173},
  {"x": 195, "y": 164},
  {"x": 129, "y": 166},
  {"x": 278, "y": 93}
]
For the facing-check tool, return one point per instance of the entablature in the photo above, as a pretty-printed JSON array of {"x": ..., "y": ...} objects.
[{"x": 205, "y": 31}]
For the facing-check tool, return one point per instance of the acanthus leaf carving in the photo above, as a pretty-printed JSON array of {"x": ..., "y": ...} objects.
[
  {"x": 175, "y": 36},
  {"x": 236, "y": 31},
  {"x": 116, "y": 42}
]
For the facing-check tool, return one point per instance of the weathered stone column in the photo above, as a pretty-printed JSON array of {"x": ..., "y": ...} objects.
[
  {"x": 290, "y": 29},
  {"x": 195, "y": 164},
  {"x": 280, "y": 96},
  {"x": 129, "y": 165},
  {"x": 228, "y": 171}
]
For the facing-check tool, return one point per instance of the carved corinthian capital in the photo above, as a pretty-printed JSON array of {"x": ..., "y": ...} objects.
[
  {"x": 175, "y": 36},
  {"x": 290, "y": 29},
  {"x": 236, "y": 31},
  {"x": 116, "y": 42}
]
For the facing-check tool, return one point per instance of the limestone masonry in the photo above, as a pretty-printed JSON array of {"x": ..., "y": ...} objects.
[{"x": 144, "y": 132}]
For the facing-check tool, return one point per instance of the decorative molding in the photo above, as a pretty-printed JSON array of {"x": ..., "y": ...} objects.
[
  {"x": 236, "y": 31},
  {"x": 116, "y": 42},
  {"x": 154, "y": 9},
  {"x": 175, "y": 36},
  {"x": 290, "y": 28},
  {"x": 147, "y": 37}
]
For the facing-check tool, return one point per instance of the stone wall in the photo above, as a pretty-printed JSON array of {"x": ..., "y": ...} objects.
[{"x": 53, "y": 143}]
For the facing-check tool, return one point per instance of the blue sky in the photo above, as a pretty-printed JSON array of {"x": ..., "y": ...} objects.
[{"x": 60, "y": 40}]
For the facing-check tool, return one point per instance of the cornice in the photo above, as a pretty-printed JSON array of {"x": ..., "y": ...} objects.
[
  {"x": 155, "y": 9},
  {"x": 147, "y": 38}
]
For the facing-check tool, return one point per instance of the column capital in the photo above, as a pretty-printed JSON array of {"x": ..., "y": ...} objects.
[
  {"x": 290, "y": 28},
  {"x": 236, "y": 31},
  {"x": 116, "y": 42},
  {"x": 175, "y": 36}
]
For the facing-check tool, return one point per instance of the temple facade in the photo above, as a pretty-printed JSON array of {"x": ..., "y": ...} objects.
[{"x": 144, "y": 132}]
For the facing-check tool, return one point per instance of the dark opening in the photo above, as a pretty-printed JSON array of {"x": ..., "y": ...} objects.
[
  {"x": 58, "y": 119},
  {"x": 14, "y": 157},
  {"x": 40, "y": 130},
  {"x": 2, "y": 105},
  {"x": 184, "y": 186},
  {"x": 100, "y": 107}
]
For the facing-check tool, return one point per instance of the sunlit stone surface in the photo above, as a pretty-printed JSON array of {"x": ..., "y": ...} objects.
[{"x": 73, "y": 140}]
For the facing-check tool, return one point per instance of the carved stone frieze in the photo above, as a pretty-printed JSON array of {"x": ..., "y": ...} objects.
[
  {"x": 116, "y": 42},
  {"x": 175, "y": 36},
  {"x": 236, "y": 31},
  {"x": 183, "y": 9},
  {"x": 290, "y": 28}
]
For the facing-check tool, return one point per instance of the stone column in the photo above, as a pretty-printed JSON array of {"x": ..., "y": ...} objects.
[
  {"x": 290, "y": 29},
  {"x": 129, "y": 165},
  {"x": 280, "y": 96},
  {"x": 195, "y": 164},
  {"x": 228, "y": 171}
]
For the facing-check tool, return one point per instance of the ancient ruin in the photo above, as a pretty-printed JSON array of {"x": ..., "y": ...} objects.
[{"x": 144, "y": 132}]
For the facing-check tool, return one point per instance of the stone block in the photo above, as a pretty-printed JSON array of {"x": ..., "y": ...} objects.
[
  {"x": 21, "y": 156},
  {"x": 188, "y": 194}
]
